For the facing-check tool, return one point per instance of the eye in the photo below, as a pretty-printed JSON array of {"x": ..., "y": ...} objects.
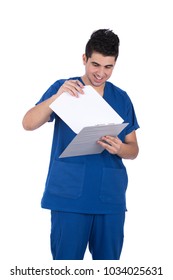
[
  {"x": 108, "y": 66},
  {"x": 95, "y": 64}
]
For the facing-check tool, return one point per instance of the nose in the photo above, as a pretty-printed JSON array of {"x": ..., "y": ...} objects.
[{"x": 100, "y": 72}]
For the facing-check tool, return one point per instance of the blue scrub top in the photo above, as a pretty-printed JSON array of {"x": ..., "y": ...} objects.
[{"x": 94, "y": 184}]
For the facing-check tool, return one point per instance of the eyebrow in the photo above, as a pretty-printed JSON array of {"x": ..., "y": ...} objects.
[{"x": 108, "y": 65}]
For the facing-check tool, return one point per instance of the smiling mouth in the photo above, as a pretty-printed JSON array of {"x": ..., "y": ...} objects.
[{"x": 98, "y": 78}]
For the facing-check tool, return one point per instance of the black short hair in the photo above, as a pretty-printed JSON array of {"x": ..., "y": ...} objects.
[{"x": 103, "y": 41}]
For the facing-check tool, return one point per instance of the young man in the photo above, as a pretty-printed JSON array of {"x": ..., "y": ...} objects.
[{"x": 86, "y": 194}]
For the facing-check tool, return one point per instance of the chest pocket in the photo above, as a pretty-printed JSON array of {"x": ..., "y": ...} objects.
[
  {"x": 66, "y": 179},
  {"x": 113, "y": 185}
]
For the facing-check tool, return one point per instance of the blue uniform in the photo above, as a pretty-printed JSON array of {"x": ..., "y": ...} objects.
[{"x": 90, "y": 184}]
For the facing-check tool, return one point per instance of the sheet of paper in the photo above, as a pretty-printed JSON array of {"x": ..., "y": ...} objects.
[
  {"x": 85, "y": 143},
  {"x": 89, "y": 109}
]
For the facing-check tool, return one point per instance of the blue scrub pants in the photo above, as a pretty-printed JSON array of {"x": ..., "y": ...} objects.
[{"x": 72, "y": 232}]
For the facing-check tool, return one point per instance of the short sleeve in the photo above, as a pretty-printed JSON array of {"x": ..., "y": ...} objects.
[
  {"x": 51, "y": 91},
  {"x": 131, "y": 118}
]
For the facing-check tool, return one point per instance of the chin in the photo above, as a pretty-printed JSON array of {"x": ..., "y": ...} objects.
[{"x": 97, "y": 84}]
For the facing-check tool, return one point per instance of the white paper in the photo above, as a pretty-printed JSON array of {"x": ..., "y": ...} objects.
[
  {"x": 85, "y": 143},
  {"x": 89, "y": 109}
]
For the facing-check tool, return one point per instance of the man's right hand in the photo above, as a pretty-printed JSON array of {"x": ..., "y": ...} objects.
[{"x": 73, "y": 87}]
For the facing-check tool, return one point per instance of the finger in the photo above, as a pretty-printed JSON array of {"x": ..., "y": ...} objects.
[
  {"x": 74, "y": 87},
  {"x": 79, "y": 87},
  {"x": 79, "y": 84},
  {"x": 107, "y": 139},
  {"x": 112, "y": 138},
  {"x": 106, "y": 146},
  {"x": 71, "y": 89}
]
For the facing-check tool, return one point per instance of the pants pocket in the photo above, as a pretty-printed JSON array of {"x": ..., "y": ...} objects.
[
  {"x": 113, "y": 185},
  {"x": 66, "y": 179}
]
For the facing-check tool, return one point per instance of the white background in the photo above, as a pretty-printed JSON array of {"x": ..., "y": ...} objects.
[{"x": 42, "y": 41}]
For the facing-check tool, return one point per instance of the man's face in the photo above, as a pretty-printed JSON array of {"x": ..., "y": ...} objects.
[{"x": 98, "y": 68}]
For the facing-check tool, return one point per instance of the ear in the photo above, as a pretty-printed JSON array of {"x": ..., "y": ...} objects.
[{"x": 84, "y": 59}]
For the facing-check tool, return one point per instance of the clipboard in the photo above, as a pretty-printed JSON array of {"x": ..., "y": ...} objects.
[{"x": 85, "y": 142}]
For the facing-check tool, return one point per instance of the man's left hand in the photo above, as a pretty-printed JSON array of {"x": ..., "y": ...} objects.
[{"x": 111, "y": 144}]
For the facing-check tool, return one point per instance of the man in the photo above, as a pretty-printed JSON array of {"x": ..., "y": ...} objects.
[{"x": 86, "y": 194}]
